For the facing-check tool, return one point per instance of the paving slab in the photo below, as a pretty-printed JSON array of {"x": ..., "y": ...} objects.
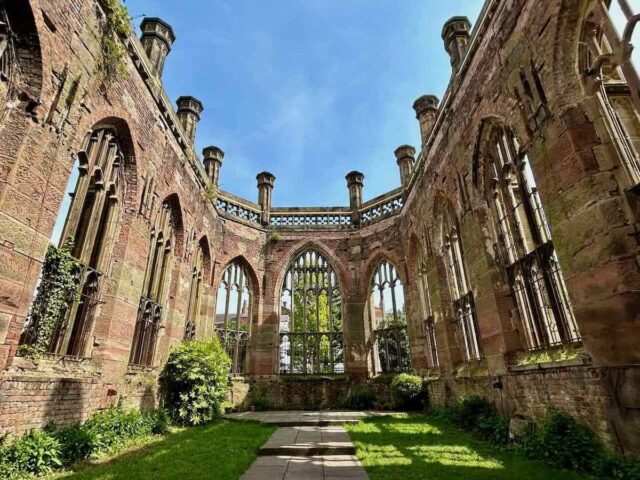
[{"x": 307, "y": 446}]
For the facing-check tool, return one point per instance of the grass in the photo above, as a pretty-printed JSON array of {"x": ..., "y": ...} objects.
[
  {"x": 419, "y": 447},
  {"x": 221, "y": 450}
]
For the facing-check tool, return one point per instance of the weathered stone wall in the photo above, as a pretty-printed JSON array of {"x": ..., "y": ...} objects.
[{"x": 56, "y": 97}]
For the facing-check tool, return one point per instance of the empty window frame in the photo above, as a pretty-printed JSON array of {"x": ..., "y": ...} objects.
[
  {"x": 195, "y": 295},
  {"x": 461, "y": 294},
  {"x": 389, "y": 320},
  {"x": 604, "y": 61},
  {"x": 233, "y": 314},
  {"x": 532, "y": 267},
  {"x": 85, "y": 230},
  {"x": 311, "y": 331},
  {"x": 154, "y": 290}
]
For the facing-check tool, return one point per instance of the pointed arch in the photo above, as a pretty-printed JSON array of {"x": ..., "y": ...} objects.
[
  {"x": 20, "y": 50},
  {"x": 234, "y": 312},
  {"x": 339, "y": 266},
  {"x": 87, "y": 228},
  {"x": 387, "y": 316},
  {"x": 478, "y": 164},
  {"x": 207, "y": 264},
  {"x": 311, "y": 315},
  {"x": 524, "y": 242}
]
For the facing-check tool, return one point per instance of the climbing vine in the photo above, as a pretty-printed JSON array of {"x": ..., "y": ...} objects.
[
  {"x": 57, "y": 290},
  {"x": 116, "y": 24}
]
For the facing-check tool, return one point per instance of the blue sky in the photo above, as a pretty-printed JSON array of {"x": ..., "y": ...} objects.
[{"x": 307, "y": 89}]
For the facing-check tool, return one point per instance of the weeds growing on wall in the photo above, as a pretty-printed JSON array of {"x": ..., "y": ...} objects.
[{"x": 116, "y": 25}]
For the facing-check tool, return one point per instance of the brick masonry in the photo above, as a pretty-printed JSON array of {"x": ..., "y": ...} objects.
[{"x": 592, "y": 212}]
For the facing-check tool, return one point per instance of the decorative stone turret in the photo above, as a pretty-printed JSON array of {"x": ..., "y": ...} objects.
[
  {"x": 212, "y": 159},
  {"x": 157, "y": 39},
  {"x": 455, "y": 34},
  {"x": 405, "y": 158},
  {"x": 355, "y": 182},
  {"x": 426, "y": 108},
  {"x": 266, "y": 181},
  {"x": 189, "y": 110}
]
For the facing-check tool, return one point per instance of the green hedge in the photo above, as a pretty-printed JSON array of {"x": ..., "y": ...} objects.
[{"x": 42, "y": 452}]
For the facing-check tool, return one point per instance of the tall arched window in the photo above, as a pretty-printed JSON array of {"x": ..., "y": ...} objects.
[
  {"x": 389, "y": 320},
  {"x": 604, "y": 60},
  {"x": 461, "y": 294},
  {"x": 90, "y": 222},
  {"x": 525, "y": 239},
  {"x": 311, "y": 334},
  {"x": 154, "y": 289},
  {"x": 5, "y": 51},
  {"x": 195, "y": 294},
  {"x": 428, "y": 319},
  {"x": 234, "y": 308}
]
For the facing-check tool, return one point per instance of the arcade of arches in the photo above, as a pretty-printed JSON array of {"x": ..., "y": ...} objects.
[{"x": 512, "y": 237}]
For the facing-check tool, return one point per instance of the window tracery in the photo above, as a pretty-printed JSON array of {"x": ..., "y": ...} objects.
[
  {"x": 524, "y": 236},
  {"x": 234, "y": 307},
  {"x": 90, "y": 222},
  {"x": 461, "y": 294},
  {"x": 604, "y": 61},
  {"x": 311, "y": 329},
  {"x": 154, "y": 291},
  {"x": 389, "y": 320}
]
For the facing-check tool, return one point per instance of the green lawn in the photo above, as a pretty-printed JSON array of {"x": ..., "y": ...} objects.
[
  {"x": 221, "y": 450},
  {"x": 417, "y": 447}
]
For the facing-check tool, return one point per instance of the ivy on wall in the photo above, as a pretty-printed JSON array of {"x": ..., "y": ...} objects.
[
  {"x": 57, "y": 290},
  {"x": 116, "y": 24}
]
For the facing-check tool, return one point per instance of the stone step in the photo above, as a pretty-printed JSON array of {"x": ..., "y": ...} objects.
[
  {"x": 309, "y": 450},
  {"x": 309, "y": 423}
]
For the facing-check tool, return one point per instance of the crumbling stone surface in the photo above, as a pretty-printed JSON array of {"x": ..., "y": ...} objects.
[{"x": 54, "y": 97}]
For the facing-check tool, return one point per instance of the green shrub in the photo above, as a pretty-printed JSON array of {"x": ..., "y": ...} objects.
[
  {"x": 157, "y": 421},
  {"x": 360, "y": 397},
  {"x": 408, "y": 393},
  {"x": 195, "y": 381},
  {"x": 562, "y": 442},
  {"x": 37, "y": 453},
  {"x": 76, "y": 443},
  {"x": 468, "y": 411}
]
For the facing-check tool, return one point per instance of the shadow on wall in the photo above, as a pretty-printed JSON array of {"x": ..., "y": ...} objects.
[{"x": 67, "y": 401}]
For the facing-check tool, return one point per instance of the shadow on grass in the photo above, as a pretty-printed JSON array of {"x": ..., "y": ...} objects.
[
  {"x": 417, "y": 447},
  {"x": 222, "y": 451}
]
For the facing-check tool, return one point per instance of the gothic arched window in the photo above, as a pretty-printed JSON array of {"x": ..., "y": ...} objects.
[
  {"x": 389, "y": 320},
  {"x": 154, "y": 289},
  {"x": 428, "y": 319},
  {"x": 531, "y": 264},
  {"x": 311, "y": 333},
  {"x": 195, "y": 294},
  {"x": 234, "y": 308},
  {"x": 604, "y": 60},
  {"x": 86, "y": 240},
  {"x": 461, "y": 294}
]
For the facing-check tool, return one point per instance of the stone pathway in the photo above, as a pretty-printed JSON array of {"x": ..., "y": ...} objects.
[{"x": 307, "y": 446}]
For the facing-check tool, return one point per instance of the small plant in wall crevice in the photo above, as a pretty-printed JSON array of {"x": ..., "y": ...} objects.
[{"x": 116, "y": 25}]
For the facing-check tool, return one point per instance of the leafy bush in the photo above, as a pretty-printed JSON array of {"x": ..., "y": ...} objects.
[
  {"x": 76, "y": 443},
  {"x": 360, "y": 397},
  {"x": 560, "y": 441},
  {"x": 476, "y": 414},
  {"x": 37, "y": 453},
  {"x": 195, "y": 381},
  {"x": 408, "y": 392}
]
